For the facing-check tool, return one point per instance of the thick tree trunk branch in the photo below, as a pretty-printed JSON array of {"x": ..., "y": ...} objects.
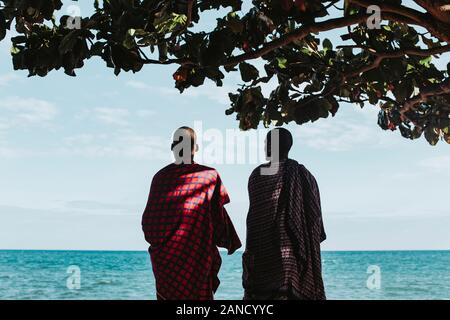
[
  {"x": 439, "y": 9},
  {"x": 387, "y": 7},
  {"x": 298, "y": 34},
  {"x": 425, "y": 94},
  {"x": 331, "y": 24},
  {"x": 410, "y": 16},
  {"x": 389, "y": 12},
  {"x": 380, "y": 56}
]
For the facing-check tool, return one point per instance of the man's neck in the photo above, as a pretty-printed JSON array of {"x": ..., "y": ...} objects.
[
  {"x": 186, "y": 163},
  {"x": 279, "y": 159}
]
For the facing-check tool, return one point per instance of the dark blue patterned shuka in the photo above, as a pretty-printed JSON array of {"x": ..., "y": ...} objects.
[{"x": 284, "y": 230}]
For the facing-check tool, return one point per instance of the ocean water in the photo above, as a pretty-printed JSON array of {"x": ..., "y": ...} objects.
[{"x": 127, "y": 275}]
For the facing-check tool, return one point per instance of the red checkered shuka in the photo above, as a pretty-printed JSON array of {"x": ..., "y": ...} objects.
[{"x": 184, "y": 222}]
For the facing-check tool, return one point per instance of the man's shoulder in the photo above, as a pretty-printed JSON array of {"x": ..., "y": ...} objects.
[
  {"x": 202, "y": 167},
  {"x": 265, "y": 165},
  {"x": 293, "y": 164},
  {"x": 257, "y": 171},
  {"x": 305, "y": 170},
  {"x": 258, "y": 168},
  {"x": 163, "y": 171},
  {"x": 206, "y": 171},
  {"x": 169, "y": 167},
  {"x": 195, "y": 167},
  {"x": 310, "y": 178}
]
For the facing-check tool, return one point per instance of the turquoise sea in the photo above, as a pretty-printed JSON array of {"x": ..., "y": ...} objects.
[{"x": 127, "y": 275}]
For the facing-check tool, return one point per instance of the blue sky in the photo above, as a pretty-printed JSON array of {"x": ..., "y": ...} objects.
[{"x": 77, "y": 156}]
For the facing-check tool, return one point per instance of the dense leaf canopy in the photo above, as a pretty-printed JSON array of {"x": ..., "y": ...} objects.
[{"x": 390, "y": 66}]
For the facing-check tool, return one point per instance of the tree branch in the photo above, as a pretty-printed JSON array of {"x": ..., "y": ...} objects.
[
  {"x": 380, "y": 56},
  {"x": 439, "y": 9},
  {"x": 184, "y": 61},
  {"x": 425, "y": 94},
  {"x": 305, "y": 30},
  {"x": 388, "y": 7},
  {"x": 409, "y": 16},
  {"x": 297, "y": 34}
]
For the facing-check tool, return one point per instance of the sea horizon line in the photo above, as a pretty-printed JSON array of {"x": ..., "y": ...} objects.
[{"x": 223, "y": 250}]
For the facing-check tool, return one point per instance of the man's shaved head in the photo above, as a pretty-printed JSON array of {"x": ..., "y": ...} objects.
[
  {"x": 283, "y": 142},
  {"x": 183, "y": 134},
  {"x": 184, "y": 138}
]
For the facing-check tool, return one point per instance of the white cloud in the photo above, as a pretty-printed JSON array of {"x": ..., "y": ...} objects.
[
  {"x": 96, "y": 207},
  {"x": 440, "y": 163},
  {"x": 145, "y": 147},
  {"x": 6, "y": 152},
  {"x": 145, "y": 113},
  {"x": 334, "y": 136},
  {"x": 114, "y": 116},
  {"x": 392, "y": 213},
  {"x": 350, "y": 129},
  {"x": 83, "y": 138},
  {"x": 153, "y": 89},
  {"x": 122, "y": 144},
  {"x": 209, "y": 91},
  {"x": 212, "y": 92},
  {"x": 6, "y": 79},
  {"x": 19, "y": 111},
  {"x": 137, "y": 84}
]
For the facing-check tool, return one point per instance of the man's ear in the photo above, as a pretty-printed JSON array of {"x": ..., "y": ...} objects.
[{"x": 196, "y": 148}]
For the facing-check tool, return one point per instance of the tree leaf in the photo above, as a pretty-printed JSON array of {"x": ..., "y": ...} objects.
[
  {"x": 431, "y": 135},
  {"x": 68, "y": 42},
  {"x": 2, "y": 26},
  {"x": 282, "y": 62},
  {"x": 248, "y": 72},
  {"x": 327, "y": 45}
]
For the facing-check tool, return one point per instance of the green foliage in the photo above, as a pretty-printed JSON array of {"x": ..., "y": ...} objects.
[{"x": 312, "y": 76}]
